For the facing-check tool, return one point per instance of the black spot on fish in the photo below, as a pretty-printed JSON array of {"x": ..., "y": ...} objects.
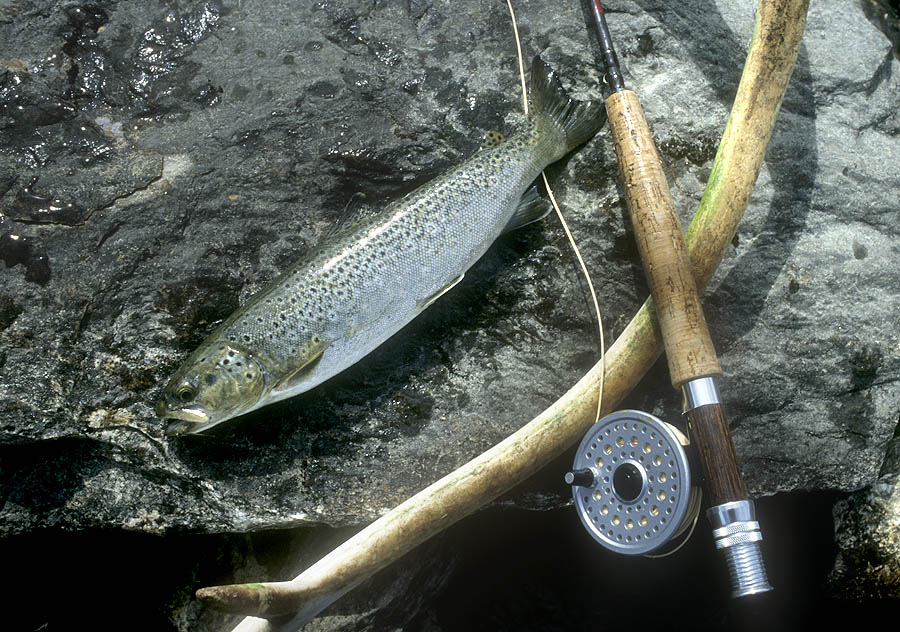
[{"x": 210, "y": 379}]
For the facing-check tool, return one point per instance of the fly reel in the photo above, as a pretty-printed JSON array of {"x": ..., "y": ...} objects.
[{"x": 631, "y": 480}]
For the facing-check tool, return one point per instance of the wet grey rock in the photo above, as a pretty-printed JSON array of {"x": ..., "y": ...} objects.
[
  {"x": 867, "y": 532},
  {"x": 158, "y": 165}
]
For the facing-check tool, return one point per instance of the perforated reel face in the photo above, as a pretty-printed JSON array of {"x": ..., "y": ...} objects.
[{"x": 641, "y": 488}]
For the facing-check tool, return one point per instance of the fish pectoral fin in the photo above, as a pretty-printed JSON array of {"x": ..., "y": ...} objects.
[
  {"x": 309, "y": 365},
  {"x": 532, "y": 207},
  {"x": 428, "y": 300}
]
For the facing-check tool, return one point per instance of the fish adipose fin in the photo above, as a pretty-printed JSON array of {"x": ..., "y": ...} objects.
[
  {"x": 532, "y": 207},
  {"x": 425, "y": 302},
  {"x": 579, "y": 120}
]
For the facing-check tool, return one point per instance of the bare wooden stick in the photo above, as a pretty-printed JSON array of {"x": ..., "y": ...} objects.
[{"x": 773, "y": 50}]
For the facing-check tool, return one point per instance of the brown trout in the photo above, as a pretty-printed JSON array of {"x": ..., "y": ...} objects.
[{"x": 344, "y": 299}]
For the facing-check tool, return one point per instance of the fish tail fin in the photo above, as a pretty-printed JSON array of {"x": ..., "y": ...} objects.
[{"x": 578, "y": 120}]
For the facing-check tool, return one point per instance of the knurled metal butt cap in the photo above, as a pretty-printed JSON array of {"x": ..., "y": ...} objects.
[{"x": 737, "y": 535}]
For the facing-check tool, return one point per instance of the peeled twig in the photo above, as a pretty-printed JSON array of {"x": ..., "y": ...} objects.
[{"x": 773, "y": 50}]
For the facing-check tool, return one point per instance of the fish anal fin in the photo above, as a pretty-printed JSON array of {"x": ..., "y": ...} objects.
[
  {"x": 532, "y": 207},
  {"x": 425, "y": 302},
  {"x": 292, "y": 379}
]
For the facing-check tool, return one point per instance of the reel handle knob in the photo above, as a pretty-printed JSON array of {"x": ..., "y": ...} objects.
[{"x": 580, "y": 478}]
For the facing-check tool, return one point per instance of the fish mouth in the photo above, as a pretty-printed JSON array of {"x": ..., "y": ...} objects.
[{"x": 190, "y": 419}]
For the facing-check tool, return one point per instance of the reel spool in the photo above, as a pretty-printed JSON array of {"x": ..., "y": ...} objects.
[{"x": 631, "y": 480}]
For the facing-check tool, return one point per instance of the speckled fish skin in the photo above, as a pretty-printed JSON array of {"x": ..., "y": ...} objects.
[{"x": 335, "y": 306}]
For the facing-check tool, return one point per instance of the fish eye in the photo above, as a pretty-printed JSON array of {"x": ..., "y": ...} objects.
[{"x": 185, "y": 393}]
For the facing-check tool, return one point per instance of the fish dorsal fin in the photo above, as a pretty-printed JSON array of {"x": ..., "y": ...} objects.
[
  {"x": 436, "y": 295},
  {"x": 493, "y": 138},
  {"x": 532, "y": 207},
  {"x": 358, "y": 212},
  {"x": 313, "y": 355}
]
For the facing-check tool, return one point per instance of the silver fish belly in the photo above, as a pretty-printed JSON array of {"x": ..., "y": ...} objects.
[{"x": 337, "y": 305}]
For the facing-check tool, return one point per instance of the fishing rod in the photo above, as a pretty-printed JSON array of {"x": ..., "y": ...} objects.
[{"x": 631, "y": 478}]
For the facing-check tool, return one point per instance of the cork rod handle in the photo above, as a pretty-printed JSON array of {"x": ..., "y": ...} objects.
[{"x": 689, "y": 349}]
